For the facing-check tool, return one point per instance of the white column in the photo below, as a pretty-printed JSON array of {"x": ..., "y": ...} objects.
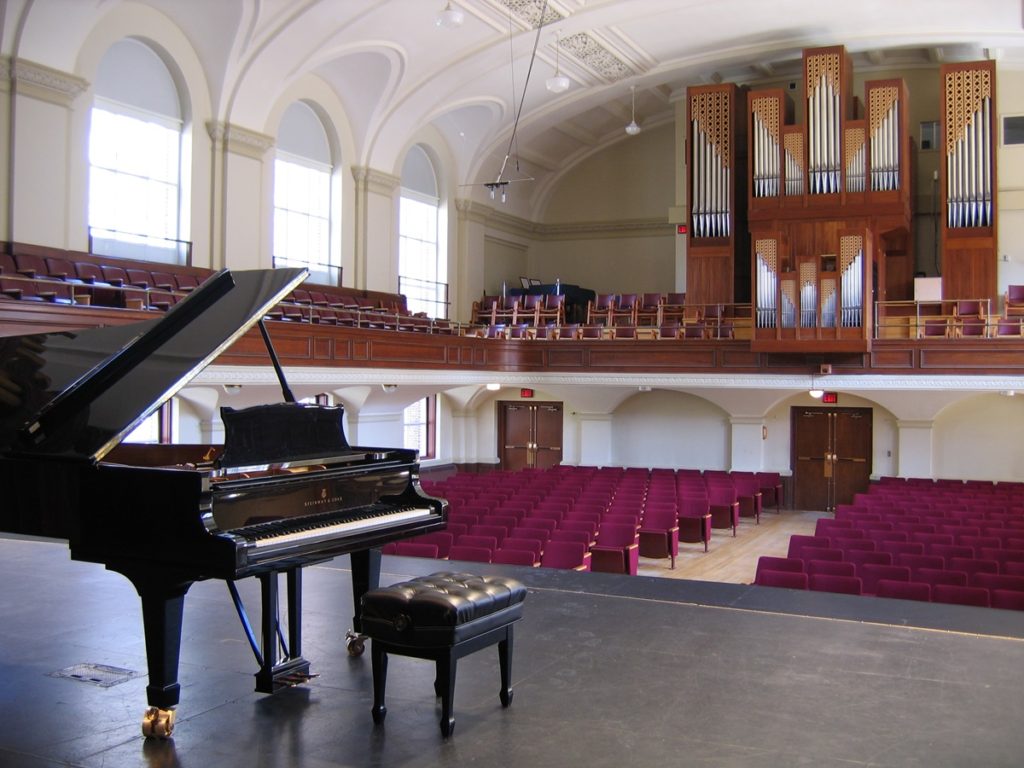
[
  {"x": 37, "y": 144},
  {"x": 746, "y": 443},
  {"x": 470, "y": 227},
  {"x": 915, "y": 448},
  {"x": 243, "y": 198},
  {"x": 595, "y": 444},
  {"x": 381, "y": 430},
  {"x": 211, "y": 431},
  {"x": 462, "y": 434},
  {"x": 376, "y": 235}
]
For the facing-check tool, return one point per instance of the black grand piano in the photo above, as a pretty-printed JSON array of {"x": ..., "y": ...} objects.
[{"x": 284, "y": 491}]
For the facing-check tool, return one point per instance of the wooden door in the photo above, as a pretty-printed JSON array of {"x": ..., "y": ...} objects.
[
  {"x": 529, "y": 435},
  {"x": 517, "y": 439},
  {"x": 831, "y": 455},
  {"x": 548, "y": 435}
]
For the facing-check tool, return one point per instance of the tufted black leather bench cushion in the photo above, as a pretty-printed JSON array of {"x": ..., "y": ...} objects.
[{"x": 441, "y": 609}]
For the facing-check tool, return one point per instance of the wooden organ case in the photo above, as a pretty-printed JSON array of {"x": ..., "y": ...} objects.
[
  {"x": 968, "y": 180},
  {"x": 717, "y": 261},
  {"x": 829, "y": 208}
]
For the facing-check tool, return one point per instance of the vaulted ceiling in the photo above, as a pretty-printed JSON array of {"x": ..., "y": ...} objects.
[{"x": 397, "y": 72}]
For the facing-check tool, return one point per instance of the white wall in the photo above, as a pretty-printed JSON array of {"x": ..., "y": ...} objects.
[
  {"x": 979, "y": 439},
  {"x": 670, "y": 429}
]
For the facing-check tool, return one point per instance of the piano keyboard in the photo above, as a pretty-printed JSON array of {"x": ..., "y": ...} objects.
[{"x": 374, "y": 517}]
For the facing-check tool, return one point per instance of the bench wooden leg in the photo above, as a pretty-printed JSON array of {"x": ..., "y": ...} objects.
[
  {"x": 505, "y": 663},
  {"x": 444, "y": 686},
  {"x": 379, "y": 661}
]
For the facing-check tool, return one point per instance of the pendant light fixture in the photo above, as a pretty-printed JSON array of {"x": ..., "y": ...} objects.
[
  {"x": 449, "y": 17},
  {"x": 559, "y": 83},
  {"x": 633, "y": 129}
]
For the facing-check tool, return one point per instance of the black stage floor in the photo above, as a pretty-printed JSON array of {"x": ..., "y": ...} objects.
[{"x": 608, "y": 671}]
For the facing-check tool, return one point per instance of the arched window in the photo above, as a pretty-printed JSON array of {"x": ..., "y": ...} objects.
[
  {"x": 423, "y": 273},
  {"x": 302, "y": 196},
  {"x": 137, "y": 158}
]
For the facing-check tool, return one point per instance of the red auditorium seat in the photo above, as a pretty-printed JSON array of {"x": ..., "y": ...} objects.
[{"x": 786, "y": 579}]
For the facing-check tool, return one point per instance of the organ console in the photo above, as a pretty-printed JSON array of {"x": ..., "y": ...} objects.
[{"x": 286, "y": 489}]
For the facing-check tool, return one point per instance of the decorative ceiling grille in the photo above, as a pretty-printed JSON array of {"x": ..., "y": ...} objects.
[
  {"x": 584, "y": 48},
  {"x": 528, "y": 11},
  {"x": 595, "y": 56}
]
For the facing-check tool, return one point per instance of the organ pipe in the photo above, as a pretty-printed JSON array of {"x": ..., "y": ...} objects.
[
  {"x": 710, "y": 165},
  {"x": 884, "y": 108}
]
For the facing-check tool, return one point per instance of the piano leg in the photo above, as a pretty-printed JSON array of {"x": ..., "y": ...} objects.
[
  {"x": 292, "y": 669},
  {"x": 365, "y": 576},
  {"x": 162, "y": 603}
]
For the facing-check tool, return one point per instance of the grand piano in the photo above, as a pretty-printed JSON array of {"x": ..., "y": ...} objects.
[{"x": 284, "y": 491}]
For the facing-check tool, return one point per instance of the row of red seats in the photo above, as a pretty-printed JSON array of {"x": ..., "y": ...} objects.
[
  {"x": 667, "y": 508},
  {"x": 961, "y": 581},
  {"x": 57, "y": 279},
  {"x": 32, "y": 277}
]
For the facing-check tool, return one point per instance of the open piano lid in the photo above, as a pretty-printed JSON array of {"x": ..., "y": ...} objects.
[{"x": 77, "y": 394}]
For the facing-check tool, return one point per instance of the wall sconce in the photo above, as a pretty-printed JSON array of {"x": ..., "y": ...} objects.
[
  {"x": 231, "y": 389},
  {"x": 389, "y": 388},
  {"x": 493, "y": 386}
]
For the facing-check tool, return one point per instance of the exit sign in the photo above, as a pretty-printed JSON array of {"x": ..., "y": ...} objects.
[
  {"x": 830, "y": 397},
  {"x": 526, "y": 393}
]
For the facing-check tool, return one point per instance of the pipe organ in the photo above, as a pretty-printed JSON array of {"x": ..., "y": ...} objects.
[
  {"x": 824, "y": 72},
  {"x": 812, "y": 298},
  {"x": 968, "y": 180},
  {"x": 710, "y": 161},
  {"x": 829, "y": 207},
  {"x": 717, "y": 267}
]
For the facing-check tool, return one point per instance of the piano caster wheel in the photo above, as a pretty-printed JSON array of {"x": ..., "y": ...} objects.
[
  {"x": 355, "y": 643},
  {"x": 158, "y": 723}
]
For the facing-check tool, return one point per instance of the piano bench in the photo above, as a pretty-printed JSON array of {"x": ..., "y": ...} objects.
[{"x": 441, "y": 617}]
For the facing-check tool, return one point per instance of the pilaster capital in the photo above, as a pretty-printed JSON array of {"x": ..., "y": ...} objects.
[
  {"x": 375, "y": 181},
  {"x": 43, "y": 83},
  {"x": 240, "y": 141}
]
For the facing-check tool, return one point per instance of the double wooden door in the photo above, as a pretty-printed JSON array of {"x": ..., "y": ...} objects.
[
  {"x": 529, "y": 435},
  {"x": 831, "y": 456}
]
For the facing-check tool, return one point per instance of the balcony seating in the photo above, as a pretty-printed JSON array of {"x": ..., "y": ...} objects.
[
  {"x": 552, "y": 310},
  {"x": 1013, "y": 301},
  {"x": 528, "y": 309},
  {"x": 648, "y": 310},
  {"x": 625, "y": 310},
  {"x": 601, "y": 309},
  {"x": 673, "y": 308},
  {"x": 669, "y": 331}
]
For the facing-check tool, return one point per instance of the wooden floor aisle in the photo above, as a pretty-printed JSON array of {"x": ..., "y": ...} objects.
[{"x": 734, "y": 560}]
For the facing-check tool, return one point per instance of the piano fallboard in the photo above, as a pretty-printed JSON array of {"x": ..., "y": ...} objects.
[{"x": 200, "y": 523}]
